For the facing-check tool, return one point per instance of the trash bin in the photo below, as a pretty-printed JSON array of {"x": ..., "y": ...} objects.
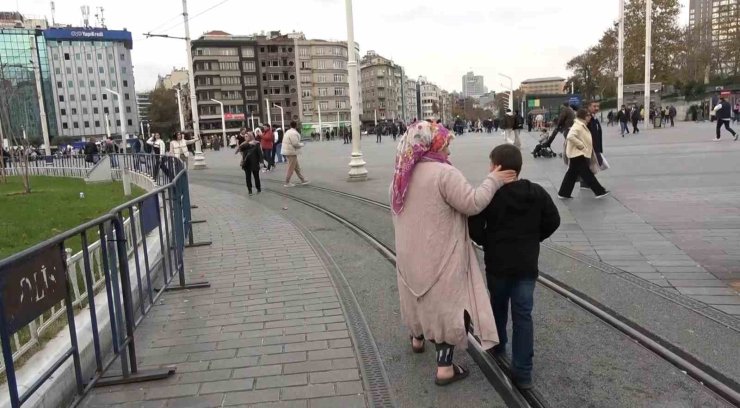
[{"x": 657, "y": 121}]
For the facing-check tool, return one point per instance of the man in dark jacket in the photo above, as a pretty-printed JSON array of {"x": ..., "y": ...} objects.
[
  {"x": 623, "y": 116},
  {"x": 635, "y": 116},
  {"x": 510, "y": 230},
  {"x": 723, "y": 110},
  {"x": 91, "y": 151},
  {"x": 564, "y": 122}
]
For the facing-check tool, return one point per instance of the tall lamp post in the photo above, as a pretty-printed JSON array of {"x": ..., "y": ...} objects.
[
  {"x": 620, "y": 57},
  {"x": 648, "y": 51},
  {"x": 223, "y": 121},
  {"x": 511, "y": 91},
  {"x": 282, "y": 116},
  {"x": 121, "y": 117},
  {"x": 199, "y": 160},
  {"x": 179, "y": 111},
  {"x": 357, "y": 170}
]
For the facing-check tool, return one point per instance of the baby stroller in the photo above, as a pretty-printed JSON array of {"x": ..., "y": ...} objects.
[{"x": 543, "y": 147}]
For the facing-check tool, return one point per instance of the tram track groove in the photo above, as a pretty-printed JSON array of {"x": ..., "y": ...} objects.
[{"x": 494, "y": 370}]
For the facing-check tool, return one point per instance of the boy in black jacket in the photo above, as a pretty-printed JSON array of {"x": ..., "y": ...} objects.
[{"x": 510, "y": 229}]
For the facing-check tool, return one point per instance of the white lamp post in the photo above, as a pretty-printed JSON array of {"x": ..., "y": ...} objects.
[
  {"x": 321, "y": 132},
  {"x": 199, "y": 161},
  {"x": 282, "y": 116},
  {"x": 648, "y": 51},
  {"x": 269, "y": 115},
  {"x": 357, "y": 170},
  {"x": 511, "y": 91},
  {"x": 179, "y": 110},
  {"x": 223, "y": 121},
  {"x": 121, "y": 116}
]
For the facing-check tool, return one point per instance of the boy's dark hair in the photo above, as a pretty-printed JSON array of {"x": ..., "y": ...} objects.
[
  {"x": 582, "y": 114},
  {"x": 293, "y": 125},
  {"x": 509, "y": 157}
]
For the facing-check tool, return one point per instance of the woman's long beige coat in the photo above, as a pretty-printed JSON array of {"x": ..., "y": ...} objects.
[{"x": 438, "y": 274}]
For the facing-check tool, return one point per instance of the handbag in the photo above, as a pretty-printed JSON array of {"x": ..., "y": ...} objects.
[
  {"x": 604, "y": 164},
  {"x": 594, "y": 163}
]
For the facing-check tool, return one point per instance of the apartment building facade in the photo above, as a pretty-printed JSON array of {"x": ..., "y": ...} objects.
[
  {"x": 225, "y": 69},
  {"x": 428, "y": 94},
  {"x": 380, "y": 80},
  {"x": 411, "y": 103}
]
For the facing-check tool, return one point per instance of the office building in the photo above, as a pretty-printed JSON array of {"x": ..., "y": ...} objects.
[
  {"x": 549, "y": 86},
  {"x": 86, "y": 64},
  {"x": 380, "y": 80},
  {"x": 142, "y": 105},
  {"x": 323, "y": 84},
  {"x": 178, "y": 76},
  {"x": 225, "y": 70},
  {"x": 718, "y": 25},
  {"x": 473, "y": 85},
  {"x": 22, "y": 45},
  {"x": 428, "y": 95},
  {"x": 411, "y": 103}
]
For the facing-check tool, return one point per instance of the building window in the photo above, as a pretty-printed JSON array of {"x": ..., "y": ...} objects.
[
  {"x": 57, "y": 71},
  {"x": 128, "y": 109},
  {"x": 339, "y": 64},
  {"x": 228, "y": 66},
  {"x": 129, "y": 122},
  {"x": 305, "y": 65},
  {"x": 64, "y": 125},
  {"x": 305, "y": 78},
  {"x": 125, "y": 83},
  {"x": 92, "y": 84},
  {"x": 55, "y": 56},
  {"x": 61, "y": 98},
  {"x": 87, "y": 124},
  {"x": 303, "y": 51},
  {"x": 250, "y": 94},
  {"x": 232, "y": 80},
  {"x": 83, "y": 97},
  {"x": 102, "y": 83},
  {"x": 339, "y": 78},
  {"x": 275, "y": 63},
  {"x": 70, "y": 84},
  {"x": 82, "y": 83},
  {"x": 250, "y": 80},
  {"x": 69, "y": 71},
  {"x": 88, "y": 56},
  {"x": 105, "y": 110},
  {"x": 247, "y": 52},
  {"x": 89, "y": 70},
  {"x": 79, "y": 70},
  {"x": 248, "y": 66},
  {"x": 339, "y": 92},
  {"x": 306, "y": 93},
  {"x": 123, "y": 57},
  {"x": 275, "y": 77},
  {"x": 118, "y": 122},
  {"x": 63, "y": 112},
  {"x": 97, "y": 123},
  {"x": 324, "y": 105},
  {"x": 95, "y": 111},
  {"x": 66, "y": 56},
  {"x": 100, "y": 56},
  {"x": 76, "y": 125},
  {"x": 307, "y": 107},
  {"x": 323, "y": 92},
  {"x": 112, "y": 70},
  {"x": 94, "y": 97},
  {"x": 84, "y": 111},
  {"x": 101, "y": 70},
  {"x": 123, "y": 70},
  {"x": 59, "y": 84},
  {"x": 113, "y": 84},
  {"x": 73, "y": 111},
  {"x": 105, "y": 97}
]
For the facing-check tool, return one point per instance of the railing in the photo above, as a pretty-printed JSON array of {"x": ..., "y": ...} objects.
[{"x": 45, "y": 282}]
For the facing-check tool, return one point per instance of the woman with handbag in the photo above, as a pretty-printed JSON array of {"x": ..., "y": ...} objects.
[
  {"x": 179, "y": 147},
  {"x": 252, "y": 158},
  {"x": 578, "y": 151}
]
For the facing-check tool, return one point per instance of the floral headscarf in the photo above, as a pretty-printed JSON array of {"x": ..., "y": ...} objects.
[{"x": 423, "y": 141}]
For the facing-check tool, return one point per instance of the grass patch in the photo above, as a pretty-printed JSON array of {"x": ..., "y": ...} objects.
[{"x": 54, "y": 206}]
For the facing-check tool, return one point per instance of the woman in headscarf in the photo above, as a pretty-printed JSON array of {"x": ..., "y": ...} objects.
[
  {"x": 440, "y": 284},
  {"x": 252, "y": 158}
]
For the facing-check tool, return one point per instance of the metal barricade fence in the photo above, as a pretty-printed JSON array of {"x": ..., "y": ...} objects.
[{"x": 37, "y": 282}]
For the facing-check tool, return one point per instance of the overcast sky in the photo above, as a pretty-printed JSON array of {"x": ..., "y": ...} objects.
[{"x": 441, "y": 40}]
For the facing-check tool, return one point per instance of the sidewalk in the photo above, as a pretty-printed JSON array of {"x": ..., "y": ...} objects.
[{"x": 269, "y": 330}]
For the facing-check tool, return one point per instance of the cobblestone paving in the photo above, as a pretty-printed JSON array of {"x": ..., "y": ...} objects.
[{"x": 269, "y": 331}]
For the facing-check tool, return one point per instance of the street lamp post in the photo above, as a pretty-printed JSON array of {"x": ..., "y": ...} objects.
[
  {"x": 269, "y": 115},
  {"x": 179, "y": 110},
  {"x": 357, "y": 171},
  {"x": 321, "y": 132},
  {"x": 620, "y": 57},
  {"x": 511, "y": 91},
  {"x": 223, "y": 121},
  {"x": 282, "y": 116},
  {"x": 121, "y": 117},
  {"x": 199, "y": 160},
  {"x": 648, "y": 51}
]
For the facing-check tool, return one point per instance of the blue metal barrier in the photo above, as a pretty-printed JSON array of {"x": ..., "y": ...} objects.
[{"x": 36, "y": 279}]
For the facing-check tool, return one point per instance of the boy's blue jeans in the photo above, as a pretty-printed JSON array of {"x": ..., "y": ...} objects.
[{"x": 521, "y": 295}]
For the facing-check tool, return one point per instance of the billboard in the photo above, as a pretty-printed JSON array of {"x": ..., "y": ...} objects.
[
  {"x": 88, "y": 34},
  {"x": 233, "y": 116}
]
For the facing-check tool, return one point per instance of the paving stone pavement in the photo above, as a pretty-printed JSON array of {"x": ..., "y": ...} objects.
[{"x": 270, "y": 330}]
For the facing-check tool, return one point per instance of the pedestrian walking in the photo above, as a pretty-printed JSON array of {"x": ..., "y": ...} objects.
[
  {"x": 441, "y": 289},
  {"x": 737, "y": 111},
  {"x": 635, "y": 116},
  {"x": 277, "y": 156},
  {"x": 594, "y": 127},
  {"x": 179, "y": 147},
  {"x": 267, "y": 141},
  {"x": 518, "y": 126},
  {"x": 160, "y": 160},
  {"x": 91, "y": 151},
  {"x": 724, "y": 116},
  {"x": 563, "y": 124},
  {"x": 252, "y": 158},
  {"x": 578, "y": 150},
  {"x": 672, "y": 114},
  {"x": 510, "y": 229},
  {"x": 292, "y": 149},
  {"x": 232, "y": 142},
  {"x": 508, "y": 125},
  {"x": 623, "y": 116},
  {"x": 378, "y": 135}
]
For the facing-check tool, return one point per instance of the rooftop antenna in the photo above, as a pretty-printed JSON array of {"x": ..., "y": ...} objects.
[
  {"x": 53, "y": 14},
  {"x": 85, "y": 16},
  {"x": 100, "y": 16}
]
